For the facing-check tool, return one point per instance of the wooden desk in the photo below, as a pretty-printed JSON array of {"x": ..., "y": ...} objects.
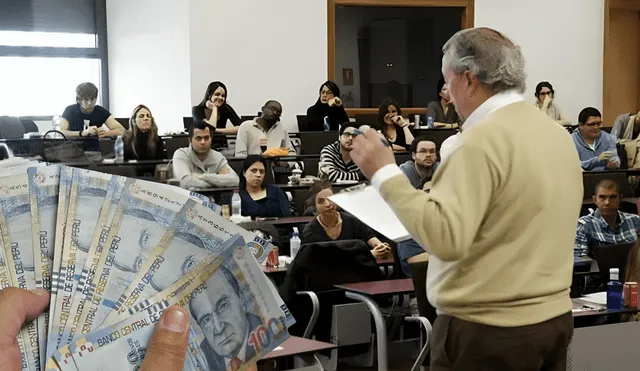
[
  {"x": 385, "y": 264},
  {"x": 291, "y": 220},
  {"x": 597, "y": 309},
  {"x": 296, "y": 345}
]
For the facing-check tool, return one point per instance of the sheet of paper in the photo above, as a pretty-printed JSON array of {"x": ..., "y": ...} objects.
[
  {"x": 367, "y": 205},
  {"x": 597, "y": 298}
]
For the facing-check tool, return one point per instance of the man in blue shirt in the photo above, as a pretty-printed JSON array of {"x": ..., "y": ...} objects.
[
  {"x": 596, "y": 148},
  {"x": 423, "y": 163},
  {"x": 606, "y": 225}
]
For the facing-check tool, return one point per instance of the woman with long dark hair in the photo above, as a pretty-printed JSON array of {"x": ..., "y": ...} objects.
[
  {"x": 215, "y": 111},
  {"x": 393, "y": 126},
  {"x": 142, "y": 142},
  {"x": 259, "y": 199},
  {"x": 329, "y": 106},
  {"x": 544, "y": 102}
]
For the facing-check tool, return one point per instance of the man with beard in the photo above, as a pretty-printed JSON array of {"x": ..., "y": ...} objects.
[
  {"x": 423, "y": 163},
  {"x": 335, "y": 160},
  {"x": 256, "y": 136}
]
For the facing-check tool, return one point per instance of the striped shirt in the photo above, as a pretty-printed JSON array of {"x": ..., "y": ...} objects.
[
  {"x": 594, "y": 231},
  {"x": 333, "y": 165}
]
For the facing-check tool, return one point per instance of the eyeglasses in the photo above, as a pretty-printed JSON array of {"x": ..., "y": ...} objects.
[
  {"x": 349, "y": 135},
  {"x": 543, "y": 93},
  {"x": 594, "y": 124}
]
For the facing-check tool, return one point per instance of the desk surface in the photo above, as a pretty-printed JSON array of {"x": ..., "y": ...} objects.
[
  {"x": 386, "y": 287},
  {"x": 297, "y": 345},
  {"x": 596, "y": 309},
  {"x": 274, "y": 270}
]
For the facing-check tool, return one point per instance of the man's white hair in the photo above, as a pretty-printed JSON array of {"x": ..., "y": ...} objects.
[{"x": 492, "y": 57}]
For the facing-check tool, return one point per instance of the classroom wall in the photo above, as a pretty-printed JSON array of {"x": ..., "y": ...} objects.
[
  {"x": 277, "y": 50},
  {"x": 562, "y": 43},
  {"x": 148, "y": 43}
]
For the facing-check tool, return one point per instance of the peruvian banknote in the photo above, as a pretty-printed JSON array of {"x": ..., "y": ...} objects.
[
  {"x": 88, "y": 193},
  {"x": 44, "y": 184},
  {"x": 15, "y": 227},
  {"x": 229, "y": 291}
]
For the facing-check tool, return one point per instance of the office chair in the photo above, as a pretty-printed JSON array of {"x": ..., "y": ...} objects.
[
  {"x": 171, "y": 145},
  {"x": 612, "y": 256},
  {"x": 187, "y": 122},
  {"x": 29, "y": 125},
  {"x": 312, "y": 142},
  {"x": 303, "y": 123},
  {"x": 124, "y": 121}
]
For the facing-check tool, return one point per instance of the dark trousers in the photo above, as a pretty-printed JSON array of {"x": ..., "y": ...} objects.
[{"x": 459, "y": 345}]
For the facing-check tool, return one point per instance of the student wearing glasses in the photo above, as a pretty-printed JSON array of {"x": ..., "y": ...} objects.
[
  {"x": 596, "y": 148},
  {"x": 544, "y": 102},
  {"x": 328, "y": 107},
  {"x": 85, "y": 118},
  {"x": 335, "y": 160}
]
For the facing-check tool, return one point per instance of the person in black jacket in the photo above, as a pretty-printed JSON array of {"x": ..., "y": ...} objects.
[
  {"x": 215, "y": 111},
  {"x": 142, "y": 141},
  {"x": 328, "y": 105}
]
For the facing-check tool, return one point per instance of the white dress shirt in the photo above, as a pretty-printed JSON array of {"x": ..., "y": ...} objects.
[{"x": 492, "y": 104}]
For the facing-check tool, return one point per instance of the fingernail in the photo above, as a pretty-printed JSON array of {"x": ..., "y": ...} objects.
[
  {"x": 175, "y": 319},
  {"x": 39, "y": 292}
]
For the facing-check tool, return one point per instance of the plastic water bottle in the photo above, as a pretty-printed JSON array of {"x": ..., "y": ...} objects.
[
  {"x": 430, "y": 124},
  {"x": 294, "y": 243},
  {"x": 327, "y": 127},
  {"x": 119, "y": 149},
  {"x": 614, "y": 290},
  {"x": 236, "y": 204}
]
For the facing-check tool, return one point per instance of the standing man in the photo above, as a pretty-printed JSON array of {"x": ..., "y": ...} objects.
[{"x": 500, "y": 239}]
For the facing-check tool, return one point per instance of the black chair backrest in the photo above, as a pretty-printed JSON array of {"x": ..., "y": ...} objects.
[
  {"x": 107, "y": 147},
  {"x": 439, "y": 136},
  {"x": 173, "y": 144},
  {"x": 368, "y": 119},
  {"x": 612, "y": 256},
  {"x": 607, "y": 129},
  {"x": 419, "y": 278},
  {"x": 236, "y": 165},
  {"x": 11, "y": 128},
  {"x": 187, "y": 122},
  {"x": 244, "y": 118},
  {"x": 311, "y": 165},
  {"x": 124, "y": 121},
  {"x": 590, "y": 180},
  {"x": 300, "y": 196},
  {"x": 402, "y": 157},
  {"x": 29, "y": 125},
  {"x": 312, "y": 142},
  {"x": 303, "y": 123}
]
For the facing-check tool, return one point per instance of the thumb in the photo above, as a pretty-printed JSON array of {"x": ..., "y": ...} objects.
[
  {"x": 17, "y": 307},
  {"x": 168, "y": 345}
]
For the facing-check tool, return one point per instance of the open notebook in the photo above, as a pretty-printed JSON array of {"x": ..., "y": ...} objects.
[{"x": 367, "y": 205}]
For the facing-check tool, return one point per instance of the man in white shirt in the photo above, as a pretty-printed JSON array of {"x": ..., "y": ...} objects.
[
  {"x": 256, "y": 136},
  {"x": 198, "y": 166}
]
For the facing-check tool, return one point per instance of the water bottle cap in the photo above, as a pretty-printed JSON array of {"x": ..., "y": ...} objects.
[
  {"x": 236, "y": 191},
  {"x": 614, "y": 270}
]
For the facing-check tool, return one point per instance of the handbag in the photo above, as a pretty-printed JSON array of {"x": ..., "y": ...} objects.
[{"x": 61, "y": 149}]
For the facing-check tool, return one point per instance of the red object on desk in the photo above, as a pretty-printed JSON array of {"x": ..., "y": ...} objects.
[
  {"x": 273, "y": 258},
  {"x": 386, "y": 287}
]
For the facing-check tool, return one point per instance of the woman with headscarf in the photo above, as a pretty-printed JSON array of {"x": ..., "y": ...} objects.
[
  {"x": 329, "y": 106},
  {"x": 142, "y": 141},
  {"x": 215, "y": 111}
]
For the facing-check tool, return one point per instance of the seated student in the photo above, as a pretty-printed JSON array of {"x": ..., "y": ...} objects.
[
  {"x": 198, "y": 166},
  {"x": 335, "y": 161},
  {"x": 333, "y": 225},
  {"x": 393, "y": 126},
  {"x": 423, "y": 163},
  {"x": 544, "y": 102},
  {"x": 596, "y": 148},
  {"x": 442, "y": 109},
  {"x": 74, "y": 117},
  {"x": 259, "y": 199},
  {"x": 215, "y": 111},
  {"x": 142, "y": 141},
  {"x": 607, "y": 225},
  {"x": 265, "y": 132},
  {"x": 329, "y": 105},
  {"x": 626, "y": 126}
]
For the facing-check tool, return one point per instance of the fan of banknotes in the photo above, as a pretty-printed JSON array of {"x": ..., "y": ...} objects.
[{"x": 114, "y": 253}]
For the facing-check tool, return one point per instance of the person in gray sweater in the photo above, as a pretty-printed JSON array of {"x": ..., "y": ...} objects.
[
  {"x": 423, "y": 163},
  {"x": 198, "y": 166},
  {"x": 622, "y": 129}
]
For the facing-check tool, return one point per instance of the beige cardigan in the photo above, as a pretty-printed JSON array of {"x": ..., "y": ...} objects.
[{"x": 499, "y": 220}]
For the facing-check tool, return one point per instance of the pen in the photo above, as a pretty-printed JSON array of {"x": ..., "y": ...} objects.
[{"x": 383, "y": 140}]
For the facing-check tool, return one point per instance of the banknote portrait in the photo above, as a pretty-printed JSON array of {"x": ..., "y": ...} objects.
[{"x": 226, "y": 320}]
